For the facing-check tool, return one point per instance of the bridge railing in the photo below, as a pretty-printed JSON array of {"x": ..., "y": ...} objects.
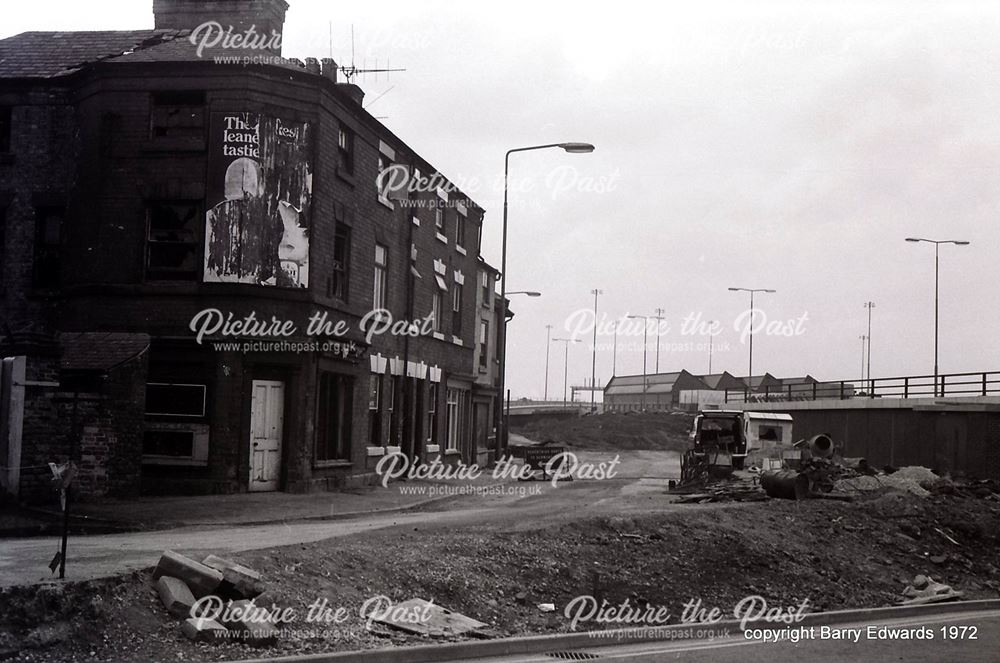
[{"x": 908, "y": 386}]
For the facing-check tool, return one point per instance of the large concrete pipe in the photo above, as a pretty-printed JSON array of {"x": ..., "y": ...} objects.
[{"x": 786, "y": 484}]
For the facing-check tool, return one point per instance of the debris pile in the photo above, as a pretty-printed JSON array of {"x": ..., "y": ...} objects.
[
  {"x": 923, "y": 590},
  {"x": 232, "y": 614}
]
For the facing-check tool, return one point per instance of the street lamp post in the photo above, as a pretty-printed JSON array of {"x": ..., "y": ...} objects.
[
  {"x": 752, "y": 292},
  {"x": 567, "y": 341},
  {"x": 659, "y": 318},
  {"x": 593, "y": 361},
  {"x": 614, "y": 353},
  {"x": 937, "y": 263},
  {"x": 573, "y": 148}
]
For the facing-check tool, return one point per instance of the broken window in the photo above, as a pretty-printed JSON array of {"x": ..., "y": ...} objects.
[
  {"x": 178, "y": 115},
  {"x": 333, "y": 426},
  {"x": 769, "y": 432},
  {"x": 173, "y": 240}
]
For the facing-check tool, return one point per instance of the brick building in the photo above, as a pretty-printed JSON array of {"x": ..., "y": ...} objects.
[{"x": 145, "y": 184}]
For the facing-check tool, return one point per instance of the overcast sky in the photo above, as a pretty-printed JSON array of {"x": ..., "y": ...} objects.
[{"x": 790, "y": 146}]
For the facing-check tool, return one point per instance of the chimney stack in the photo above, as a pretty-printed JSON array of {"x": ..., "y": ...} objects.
[{"x": 266, "y": 17}]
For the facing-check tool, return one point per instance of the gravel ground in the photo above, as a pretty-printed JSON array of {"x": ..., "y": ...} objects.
[{"x": 836, "y": 555}]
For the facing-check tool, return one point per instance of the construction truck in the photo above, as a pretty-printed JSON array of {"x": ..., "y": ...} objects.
[{"x": 727, "y": 440}]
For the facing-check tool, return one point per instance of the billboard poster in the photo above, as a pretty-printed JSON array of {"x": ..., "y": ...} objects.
[{"x": 258, "y": 201}]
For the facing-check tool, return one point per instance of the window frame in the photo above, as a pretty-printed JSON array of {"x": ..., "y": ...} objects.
[
  {"x": 380, "y": 292},
  {"x": 340, "y": 279},
  {"x": 178, "y": 100},
  {"x": 196, "y": 243},
  {"x": 44, "y": 252},
  {"x": 346, "y": 149},
  {"x": 342, "y": 420},
  {"x": 6, "y": 129}
]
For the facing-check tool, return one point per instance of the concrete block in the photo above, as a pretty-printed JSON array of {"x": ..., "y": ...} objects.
[
  {"x": 200, "y": 579},
  {"x": 203, "y": 630},
  {"x": 254, "y": 623},
  {"x": 238, "y": 581},
  {"x": 175, "y": 596}
]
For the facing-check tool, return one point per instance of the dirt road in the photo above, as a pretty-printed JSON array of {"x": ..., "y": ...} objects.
[{"x": 638, "y": 488}]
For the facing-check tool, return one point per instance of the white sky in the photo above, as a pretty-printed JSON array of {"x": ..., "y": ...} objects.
[{"x": 782, "y": 145}]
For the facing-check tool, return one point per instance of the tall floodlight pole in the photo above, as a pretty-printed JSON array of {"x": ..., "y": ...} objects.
[
  {"x": 864, "y": 339},
  {"x": 752, "y": 292},
  {"x": 658, "y": 316},
  {"x": 937, "y": 264},
  {"x": 711, "y": 338},
  {"x": 548, "y": 345},
  {"x": 645, "y": 343},
  {"x": 573, "y": 148},
  {"x": 567, "y": 341},
  {"x": 593, "y": 360},
  {"x": 614, "y": 353},
  {"x": 869, "y": 306}
]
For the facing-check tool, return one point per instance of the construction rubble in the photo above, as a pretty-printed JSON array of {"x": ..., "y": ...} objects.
[
  {"x": 816, "y": 471},
  {"x": 231, "y": 592}
]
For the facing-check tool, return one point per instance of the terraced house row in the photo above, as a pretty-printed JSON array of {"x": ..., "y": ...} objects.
[{"x": 149, "y": 191}]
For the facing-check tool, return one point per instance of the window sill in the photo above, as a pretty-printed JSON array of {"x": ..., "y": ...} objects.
[
  {"x": 178, "y": 462},
  {"x": 457, "y": 341},
  {"x": 461, "y": 249},
  {"x": 385, "y": 201},
  {"x": 393, "y": 450},
  {"x": 375, "y": 451},
  {"x": 439, "y": 336},
  {"x": 452, "y": 452},
  {"x": 441, "y": 238},
  {"x": 322, "y": 464},
  {"x": 433, "y": 448}
]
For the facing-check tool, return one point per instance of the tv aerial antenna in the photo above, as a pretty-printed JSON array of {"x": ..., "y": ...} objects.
[{"x": 353, "y": 70}]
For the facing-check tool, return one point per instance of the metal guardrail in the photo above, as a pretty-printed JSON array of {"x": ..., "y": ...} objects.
[{"x": 909, "y": 386}]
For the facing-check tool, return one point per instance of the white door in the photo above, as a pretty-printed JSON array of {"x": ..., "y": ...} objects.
[{"x": 266, "y": 423}]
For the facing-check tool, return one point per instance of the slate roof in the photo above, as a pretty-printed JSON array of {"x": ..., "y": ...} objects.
[
  {"x": 99, "y": 351},
  {"x": 54, "y": 54}
]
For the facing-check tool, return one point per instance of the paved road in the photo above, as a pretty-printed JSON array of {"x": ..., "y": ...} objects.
[
  {"x": 24, "y": 561},
  {"x": 985, "y": 648}
]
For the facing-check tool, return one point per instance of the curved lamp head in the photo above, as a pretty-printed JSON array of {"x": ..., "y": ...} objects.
[
  {"x": 577, "y": 148},
  {"x": 961, "y": 242},
  {"x": 532, "y": 293}
]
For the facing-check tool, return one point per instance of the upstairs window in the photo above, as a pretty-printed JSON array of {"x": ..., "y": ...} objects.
[
  {"x": 341, "y": 262},
  {"x": 48, "y": 230},
  {"x": 5, "y": 129},
  {"x": 439, "y": 218},
  {"x": 381, "y": 277},
  {"x": 178, "y": 115},
  {"x": 436, "y": 301},
  {"x": 382, "y": 184},
  {"x": 345, "y": 150},
  {"x": 456, "y": 309},
  {"x": 173, "y": 240},
  {"x": 484, "y": 285},
  {"x": 460, "y": 230},
  {"x": 484, "y": 351}
]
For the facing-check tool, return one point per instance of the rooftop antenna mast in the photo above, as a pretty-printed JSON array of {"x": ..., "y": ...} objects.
[{"x": 353, "y": 69}]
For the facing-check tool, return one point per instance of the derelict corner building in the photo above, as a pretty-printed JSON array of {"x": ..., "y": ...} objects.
[{"x": 144, "y": 180}]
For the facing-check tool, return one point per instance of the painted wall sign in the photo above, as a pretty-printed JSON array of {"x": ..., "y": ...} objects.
[{"x": 259, "y": 194}]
